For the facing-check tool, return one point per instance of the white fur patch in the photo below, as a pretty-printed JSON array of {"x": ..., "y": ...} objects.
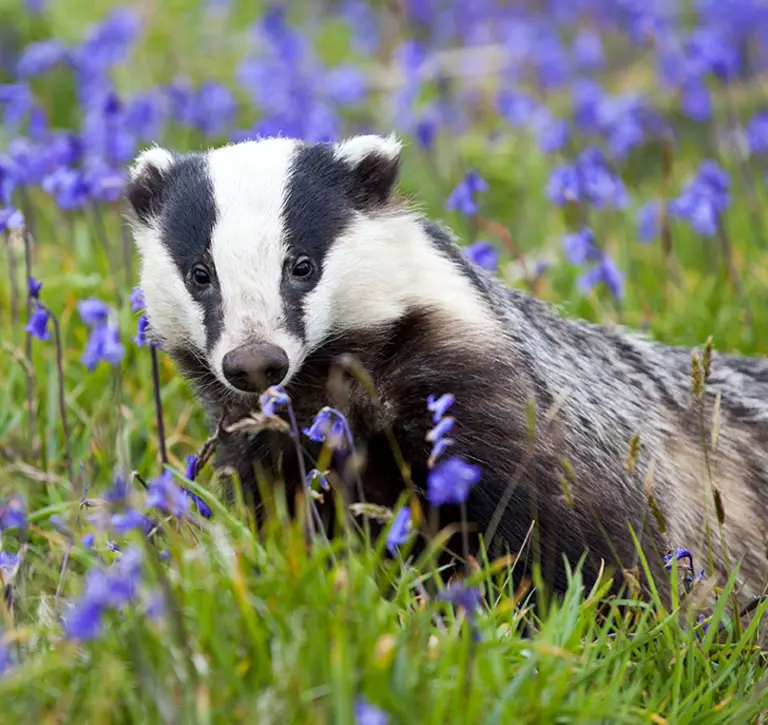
[
  {"x": 354, "y": 150},
  {"x": 378, "y": 270},
  {"x": 249, "y": 185},
  {"x": 156, "y": 156},
  {"x": 176, "y": 318}
]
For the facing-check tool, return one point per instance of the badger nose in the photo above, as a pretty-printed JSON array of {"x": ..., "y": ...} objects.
[{"x": 253, "y": 368}]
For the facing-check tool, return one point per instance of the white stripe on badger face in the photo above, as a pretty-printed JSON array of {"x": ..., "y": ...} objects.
[
  {"x": 176, "y": 318},
  {"x": 249, "y": 185},
  {"x": 381, "y": 268}
]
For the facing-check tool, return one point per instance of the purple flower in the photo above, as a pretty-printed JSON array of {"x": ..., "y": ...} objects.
[
  {"x": 34, "y": 288},
  {"x": 141, "y": 331},
  {"x": 462, "y": 198},
  {"x": 131, "y": 519},
  {"x": 679, "y": 554},
  {"x": 346, "y": 85},
  {"x": 367, "y": 714},
  {"x": 9, "y": 563},
  {"x": 214, "y": 107},
  {"x": 606, "y": 272},
  {"x": 10, "y": 218},
  {"x": 17, "y": 100},
  {"x": 137, "y": 300},
  {"x": 696, "y": 101},
  {"x": 103, "y": 590},
  {"x": 517, "y": 108},
  {"x": 551, "y": 133},
  {"x": 88, "y": 540},
  {"x": 439, "y": 406},
  {"x": 203, "y": 508},
  {"x": 6, "y": 661},
  {"x": 12, "y": 514},
  {"x": 589, "y": 179},
  {"x": 165, "y": 495},
  {"x": 272, "y": 397},
  {"x": 466, "y": 599},
  {"x": 156, "y": 605},
  {"x": 329, "y": 426},
  {"x": 68, "y": 187},
  {"x": 104, "y": 341},
  {"x": 580, "y": 246},
  {"x": 103, "y": 345},
  {"x": 648, "y": 221},
  {"x": 704, "y": 198},
  {"x": 757, "y": 133},
  {"x": 41, "y": 56},
  {"x": 450, "y": 481},
  {"x": 316, "y": 478},
  {"x": 38, "y": 323},
  {"x": 400, "y": 530},
  {"x": 588, "y": 49},
  {"x": 483, "y": 254}
]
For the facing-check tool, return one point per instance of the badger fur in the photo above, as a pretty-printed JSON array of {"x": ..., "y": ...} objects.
[{"x": 263, "y": 261}]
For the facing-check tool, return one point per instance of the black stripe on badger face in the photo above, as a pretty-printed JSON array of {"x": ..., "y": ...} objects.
[
  {"x": 187, "y": 222},
  {"x": 316, "y": 211}
]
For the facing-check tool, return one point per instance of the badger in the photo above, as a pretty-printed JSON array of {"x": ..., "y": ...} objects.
[{"x": 265, "y": 262}]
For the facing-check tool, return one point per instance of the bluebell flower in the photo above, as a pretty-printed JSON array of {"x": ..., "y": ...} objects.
[
  {"x": 439, "y": 406},
  {"x": 144, "y": 114},
  {"x": 103, "y": 590},
  {"x": 9, "y": 563},
  {"x": 757, "y": 133},
  {"x": 103, "y": 345},
  {"x": 329, "y": 426},
  {"x": 696, "y": 101},
  {"x": 462, "y": 198},
  {"x": 141, "y": 331},
  {"x": 104, "y": 182},
  {"x": 215, "y": 107},
  {"x": 517, "y": 108},
  {"x": 189, "y": 473},
  {"x": 137, "y": 300},
  {"x": 441, "y": 429},
  {"x": 164, "y": 494},
  {"x": 273, "y": 397},
  {"x": 367, "y": 714},
  {"x": 10, "y": 218},
  {"x": 450, "y": 481},
  {"x": 88, "y": 540},
  {"x": 483, "y": 254},
  {"x": 704, "y": 198},
  {"x": 317, "y": 478},
  {"x": 606, "y": 272},
  {"x": 680, "y": 553},
  {"x": 600, "y": 185},
  {"x": 346, "y": 85},
  {"x": 6, "y": 660},
  {"x": 648, "y": 221},
  {"x": 467, "y": 600},
  {"x": 38, "y": 323},
  {"x": 34, "y": 287},
  {"x": 400, "y": 529},
  {"x": 12, "y": 513},
  {"x": 104, "y": 341},
  {"x": 551, "y": 133},
  {"x": 109, "y": 43},
  {"x": 41, "y": 56},
  {"x": 119, "y": 493},
  {"x": 587, "y": 49},
  {"x": 68, "y": 187},
  {"x": 130, "y": 519},
  {"x": 18, "y": 101},
  {"x": 580, "y": 246}
]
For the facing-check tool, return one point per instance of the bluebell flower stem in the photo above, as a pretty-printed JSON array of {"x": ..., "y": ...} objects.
[
  {"x": 465, "y": 536},
  {"x": 65, "y": 562},
  {"x": 28, "y": 342},
  {"x": 158, "y": 405},
  {"x": 307, "y": 496},
  {"x": 14, "y": 283},
  {"x": 62, "y": 400}
]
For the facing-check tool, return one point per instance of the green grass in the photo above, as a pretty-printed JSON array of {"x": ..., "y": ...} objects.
[{"x": 260, "y": 628}]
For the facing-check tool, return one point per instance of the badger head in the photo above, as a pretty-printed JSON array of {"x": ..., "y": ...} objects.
[{"x": 254, "y": 254}]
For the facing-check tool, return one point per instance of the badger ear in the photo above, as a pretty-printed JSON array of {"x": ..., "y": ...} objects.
[
  {"x": 145, "y": 191},
  {"x": 375, "y": 164}
]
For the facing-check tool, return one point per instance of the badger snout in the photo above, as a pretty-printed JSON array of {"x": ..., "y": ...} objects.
[{"x": 253, "y": 368}]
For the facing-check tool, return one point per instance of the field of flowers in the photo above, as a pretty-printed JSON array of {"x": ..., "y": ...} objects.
[{"x": 607, "y": 155}]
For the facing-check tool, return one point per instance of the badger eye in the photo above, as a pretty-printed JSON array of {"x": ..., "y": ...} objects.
[
  {"x": 200, "y": 276},
  {"x": 303, "y": 268}
]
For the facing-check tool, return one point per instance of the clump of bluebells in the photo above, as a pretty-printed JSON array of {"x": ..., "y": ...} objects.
[{"x": 104, "y": 340}]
